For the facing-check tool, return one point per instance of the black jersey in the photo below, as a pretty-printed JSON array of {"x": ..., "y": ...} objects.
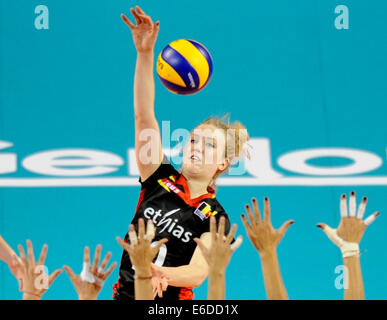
[{"x": 165, "y": 198}]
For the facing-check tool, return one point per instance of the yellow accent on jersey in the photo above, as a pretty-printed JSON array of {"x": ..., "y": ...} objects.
[
  {"x": 206, "y": 209},
  {"x": 163, "y": 185}
]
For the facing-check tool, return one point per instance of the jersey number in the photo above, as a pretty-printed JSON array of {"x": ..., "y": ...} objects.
[{"x": 162, "y": 254}]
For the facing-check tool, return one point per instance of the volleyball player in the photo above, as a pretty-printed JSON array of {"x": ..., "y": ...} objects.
[
  {"x": 34, "y": 279},
  {"x": 141, "y": 255},
  {"x": 347, "y": 237},
  {"x": 93, "y": 276},
  {"x": 178, "y": 203},
  {"x": 218, "y": 256},
  {"x": 266, "y": 239}
]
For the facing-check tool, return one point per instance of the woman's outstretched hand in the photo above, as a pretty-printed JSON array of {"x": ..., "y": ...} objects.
[
  {"x": 218, "y": 255},
  {"x": 35, "y": 280},
  {"x": 347, "y": 237},
  {"x": 90, "y": 282},
  {"x": 142, "y": 253},
  {"x": 266, "y": 239},
  {"x": 144, "y": 32},
  {"x": 260, "y": 231},
  {"x": 351, "y": 227}
]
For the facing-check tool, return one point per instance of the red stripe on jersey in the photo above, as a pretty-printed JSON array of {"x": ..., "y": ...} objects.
[
  {"x": 140, "y": 198},
  {"x": 116, "y": 286},
  {"x": 186, "y": 195},
  {"x": 186, "y": 294}
]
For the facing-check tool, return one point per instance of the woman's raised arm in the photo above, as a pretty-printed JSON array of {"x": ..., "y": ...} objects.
[{"x": 147, "y": 140}]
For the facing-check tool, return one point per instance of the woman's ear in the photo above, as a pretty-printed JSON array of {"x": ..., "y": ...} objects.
[{"x": 223, "y": 166}]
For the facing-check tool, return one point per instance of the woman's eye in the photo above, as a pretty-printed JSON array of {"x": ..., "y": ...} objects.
[
  {"x": 210, "y": 145},
  {"x": 193, "y": 140}
]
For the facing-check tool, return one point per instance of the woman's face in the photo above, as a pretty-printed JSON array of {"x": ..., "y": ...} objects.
[{"x": 204, "y": 153}]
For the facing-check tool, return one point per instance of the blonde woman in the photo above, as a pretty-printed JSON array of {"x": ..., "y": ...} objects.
[{"x": 178, "y": 203}]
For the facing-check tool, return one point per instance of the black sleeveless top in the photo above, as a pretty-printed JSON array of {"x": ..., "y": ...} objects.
[{"x": 165, "y": 198}]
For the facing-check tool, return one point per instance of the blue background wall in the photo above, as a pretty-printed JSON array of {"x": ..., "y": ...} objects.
[{"x": 280, "y": 67}]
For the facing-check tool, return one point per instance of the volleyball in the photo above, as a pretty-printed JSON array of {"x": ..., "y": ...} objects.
[{"x": 184, "y": 66}]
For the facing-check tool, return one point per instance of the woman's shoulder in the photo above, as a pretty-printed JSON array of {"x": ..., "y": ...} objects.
[{"x": 165, "y": 170}]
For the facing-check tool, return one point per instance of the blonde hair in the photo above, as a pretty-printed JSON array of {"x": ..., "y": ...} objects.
[{"x": 236, "y": 136}]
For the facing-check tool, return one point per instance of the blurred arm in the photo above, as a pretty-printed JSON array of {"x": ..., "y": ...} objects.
[
  {"x": 275, "y": 288},
  {"x": 6, "y": 252},
  {"x": 355, "y": 289}
]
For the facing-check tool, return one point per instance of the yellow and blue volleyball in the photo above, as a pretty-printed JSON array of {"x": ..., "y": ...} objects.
[{"x": 184, "y": 66}]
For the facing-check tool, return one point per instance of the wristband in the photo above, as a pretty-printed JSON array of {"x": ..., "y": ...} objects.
[
  {"x": 350, "y": 249},
  {"x": 136, "y": 277}
]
